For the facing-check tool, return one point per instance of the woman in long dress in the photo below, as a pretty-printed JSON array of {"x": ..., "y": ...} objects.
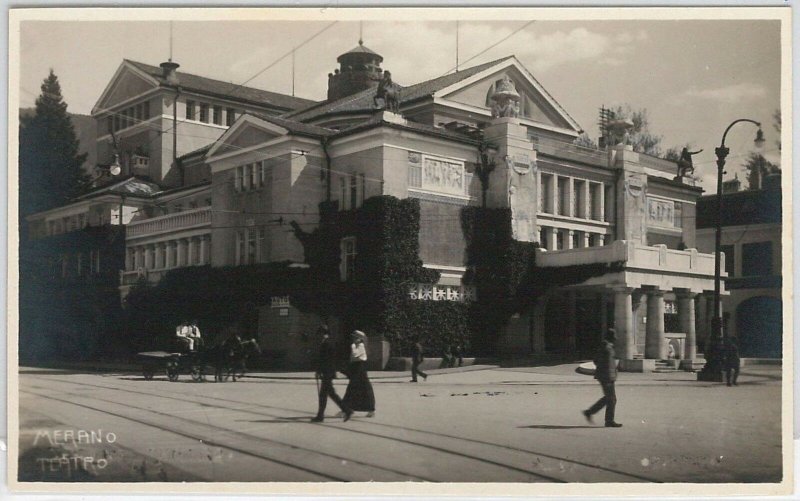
[{"x": 359, "y": 395}]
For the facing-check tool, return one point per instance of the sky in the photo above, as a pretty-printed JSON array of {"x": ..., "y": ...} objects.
[{"x": 694, "y": 77}]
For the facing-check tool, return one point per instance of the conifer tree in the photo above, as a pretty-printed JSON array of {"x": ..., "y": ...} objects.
[{"x": 50, "y": 165}]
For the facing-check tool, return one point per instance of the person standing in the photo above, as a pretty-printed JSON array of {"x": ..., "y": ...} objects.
[
  {"x": 732, "y": 362},
  {"x": 326, "y": 373},
  {"x": 417, "y": 356},
  {"x": 359, "y": 395},
  {"x": 606, "y": 374},
  {"x": 183, "y": 332}
]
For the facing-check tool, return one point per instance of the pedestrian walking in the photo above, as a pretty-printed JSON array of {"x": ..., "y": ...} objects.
[
  {"x": 606, "y": 375},
  {"x": 458, "y": 353},
  {"x": 447, "y": 358},
  {"x": 325, "y": 374},
  {"x": 359, "y": 395},
  {"x": 417, "y": 357},
  {"x": 732, "y": 362}
]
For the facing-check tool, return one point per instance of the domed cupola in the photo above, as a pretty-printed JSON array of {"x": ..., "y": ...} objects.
[{"x": 359, "y": 69}]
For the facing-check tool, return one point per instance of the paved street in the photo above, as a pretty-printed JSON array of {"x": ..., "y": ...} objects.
[{"x": 499, "y": 425}]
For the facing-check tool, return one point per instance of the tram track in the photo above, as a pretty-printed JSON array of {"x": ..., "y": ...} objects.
[{"x": 459, "y": 441}]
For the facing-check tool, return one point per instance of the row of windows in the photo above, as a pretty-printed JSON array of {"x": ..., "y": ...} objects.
[
  {"x": 168, "y": 255},
  {"x": 251, "y": 246},
  {"x": 563, "y": 240},
  {"x": 756, "y": 259},
  {"x": 251, "y": 176},
  {"x": 67, "y": 224},
  {"x": 573, "y": 197},
  {"x": 76, "y": 265},
  {"x": 129, "y": 116},
  {"x": 207, "y": 113}
]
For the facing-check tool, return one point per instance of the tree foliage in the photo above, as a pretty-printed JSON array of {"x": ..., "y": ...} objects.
[
  {"x": 50, "y": 165},
  {"x": 757, "y": 167},
  {"x": 642, "y": 140}
]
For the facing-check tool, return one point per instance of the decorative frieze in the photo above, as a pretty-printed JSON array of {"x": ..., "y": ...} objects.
[{"x": 427, "y": 292}]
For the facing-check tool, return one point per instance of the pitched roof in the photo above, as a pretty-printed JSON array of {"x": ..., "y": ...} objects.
[
  {"x": 295, "y": 127},
  {"x": 363, "y": 101},
  {"x": 378, "y": 120},
  {"x": 229, "y": 90},
  {"x": 129, "y": 186}
]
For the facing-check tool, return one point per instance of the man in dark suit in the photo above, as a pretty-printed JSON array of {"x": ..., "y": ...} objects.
[
  {"x": 606, "y": 374},
  {"x": 732, "y": 362},
  {"x": 326, "y": 373},
  {"x": 416, "y": 358}
]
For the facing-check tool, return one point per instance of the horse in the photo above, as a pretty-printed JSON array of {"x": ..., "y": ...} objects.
[
  {"x": 231, "y": 358},
  {"x": 389, "y": 92}
]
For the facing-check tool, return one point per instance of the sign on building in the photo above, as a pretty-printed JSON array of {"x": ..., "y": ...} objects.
[{"x": 427, "y": 292}]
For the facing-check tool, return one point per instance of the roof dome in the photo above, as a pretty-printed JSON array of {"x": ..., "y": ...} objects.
[{"x": 360, "y": 52}]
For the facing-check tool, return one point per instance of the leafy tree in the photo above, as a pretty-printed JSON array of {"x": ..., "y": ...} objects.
[
  {"x": 757, "y": 167},
  {"x": 642, "y": 140},
  {"x": 50, "y": 166},
  {"x": 585, "y": 141}
]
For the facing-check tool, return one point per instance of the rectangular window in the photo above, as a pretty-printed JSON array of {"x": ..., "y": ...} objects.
[
  {"x": 239, "y": 248},
  {"x": 79, "y": 264},
  {"x": 728, "y": 250},
  {"x": 343, "y": 193},
  {"x": 561, "y": 242},
  {"x": 576, "y": 239},
  {"x": 247, "y": 174},
  {"x": 262, "y": 173},
  {"x": 239, "y": 178},
  {"x": 608, "y": 198},
  {"x": 81, "y": 221},
  {"x": 217, "y": 117},
  {"x": 117, "y": 123},
  {"x": 348, "y": 258},
  {"x": 138, "y": 112},
  {"x": 230, "y": 117},
  {"x": 757, "y": 259},
  {"x": 252, "y": 245},
  {"x": 353, "y": 191},
  {"x": 543, "y": 237},
  {"x": 64, "y": 266},
  {"x": 579, "y": 195},
  {"x": 94, "y": 262},
  {"x": 110, "y": 123},
  {"x": 146, "y": 110},
  {"x": 255, "y": 175},
  {"x": 189, "y": 109},
  {"x": 362, "y": 189},
  {"x": 261, "y": 248},
  {"x": 678, "y": 215},
  {"x": 204, "y": 112}
]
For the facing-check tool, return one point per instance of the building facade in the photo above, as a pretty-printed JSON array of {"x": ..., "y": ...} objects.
[
  {"x": 752, "y": 244},
  {"x": 249, "y": 166}
]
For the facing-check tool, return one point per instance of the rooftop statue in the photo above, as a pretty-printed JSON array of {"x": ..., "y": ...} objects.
[
  {"x": 685, "y": 166},
  {"x": 505, "y": 99},
  {"x": 387, "y": 96}
]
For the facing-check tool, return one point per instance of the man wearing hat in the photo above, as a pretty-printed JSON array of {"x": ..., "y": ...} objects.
[
  {"x": 326, "y": 373},
  {"x": 605, "y": 373}
]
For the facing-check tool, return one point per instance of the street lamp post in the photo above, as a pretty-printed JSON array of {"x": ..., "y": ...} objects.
[{"x": 712, "y": 371}]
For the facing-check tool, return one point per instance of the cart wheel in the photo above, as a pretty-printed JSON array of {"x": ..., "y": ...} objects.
[
  {"x": 172, "y": 371},
  {"x": 147, "y": 372},
  {"x": 197, "y": 373}
]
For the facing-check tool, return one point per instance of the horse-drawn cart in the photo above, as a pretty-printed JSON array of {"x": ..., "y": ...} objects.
[{"x": 173, "y": 364}]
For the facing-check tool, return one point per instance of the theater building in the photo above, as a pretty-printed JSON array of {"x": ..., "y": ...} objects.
[{"x": 238, "y": 180}]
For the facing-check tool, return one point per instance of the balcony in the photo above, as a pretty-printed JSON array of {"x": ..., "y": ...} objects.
[
  {"x": 188, "y": 219},
  {"x": 635, "y": 256}
]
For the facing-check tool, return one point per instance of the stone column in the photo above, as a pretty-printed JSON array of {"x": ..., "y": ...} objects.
[
  {"x": 148, "y": 257},
  {"x": 703, "y": 321},
  {"x": 655, "y": 344},
  {"x": 138, "y": 257},
  {"x": 623, "y": 322},
  {"x": 553, "y": 239},
  {"x": 180, "y": 259},
  {"x": 601, "y": 195},
  {"x": 158, "y": 249},
  {"x": 554, "y": 194},
  {"x": 602, "y": 239},
  {"x": 570, "y": 239},
  {"x": 586, "y": 236},
  {"x": 687, "y": 323},
  {"x": 587, "y": 205},
  {"x": 203, "y": 249},
  {"x": 129, "y": 259}
]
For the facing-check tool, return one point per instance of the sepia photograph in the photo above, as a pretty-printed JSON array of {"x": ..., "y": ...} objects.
[{"x": 486, "y": 250}]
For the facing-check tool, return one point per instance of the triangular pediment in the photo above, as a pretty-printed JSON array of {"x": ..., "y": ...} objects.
[
  {"x": 536, "y": 104},
  {"x": 248, "y": 131},
  {"x": 128, "y": 82}
]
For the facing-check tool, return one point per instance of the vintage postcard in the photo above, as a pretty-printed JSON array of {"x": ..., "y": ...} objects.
[{"x": 400, "y": 251}]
